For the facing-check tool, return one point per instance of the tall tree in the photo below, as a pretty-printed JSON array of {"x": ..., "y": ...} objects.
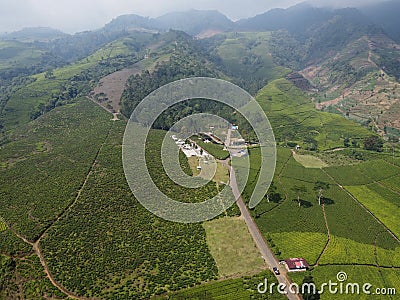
[
  {"x": 320, "y": 187},
  {"x": 271, "y": 192},
  {"x": 311, "y": 293},
  {"x": 299, "y": 190},
  {"x": 373, "y": 143}
]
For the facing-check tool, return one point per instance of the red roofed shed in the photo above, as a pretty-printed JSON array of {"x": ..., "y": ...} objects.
[{"x": 296, "y": 264}]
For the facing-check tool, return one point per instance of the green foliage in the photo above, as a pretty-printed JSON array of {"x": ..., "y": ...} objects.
[
  {"x": 42, "y": 92},
  {"x": 3, "y": 226},
  {"x": 373, "y": 143},
  {"x": 215, "y": 150},
  {"x": 308, "y": 245},
  {"x": 388, "y": 61},
  {"x": 244, "y": 56},
  {"x": 7, "y": 267},
  {"x": 184, "y": 62},
  {"x": 343, "y": 223},
  {"x": 240, "y": 288},
  {"x": 108, "y": 243},
  {"x": 345, "y": 73},
  {"x": 347, "y": 251},
  {"x": 348, "y": 175},
  {"x": 51, "y": 178},
  {"x": 281, "y": 45},
  {"x": 24, "y": 278},
  {"x": 12, "y": 245},
  {"x": 295, "y": 119},
  {"x": 310, "y": 295},
  {"x": 386, "y": 211},
  {"x": 18, "y": 55},
  {"x": 377, "y": 277}
]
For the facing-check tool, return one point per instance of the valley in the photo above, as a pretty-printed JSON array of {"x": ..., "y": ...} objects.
[{"x": 70, "y": 226}]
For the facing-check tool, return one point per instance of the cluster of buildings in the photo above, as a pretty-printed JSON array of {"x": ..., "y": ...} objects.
[{"x": 190, "y": 149}]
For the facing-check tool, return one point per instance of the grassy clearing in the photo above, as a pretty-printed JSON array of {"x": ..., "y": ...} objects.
[
  {"x": 387, "y": 212},
  {"x": 309, "y": 161},
  {"x": 232, "y": 247},
  {"x": 194, "y": 163},
  {"x": 221, "y": 173},
  {"x": 308, "y": 245}
]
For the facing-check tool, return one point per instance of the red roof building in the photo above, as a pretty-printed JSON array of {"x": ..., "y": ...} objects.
[{"x": 296, "y": 264}]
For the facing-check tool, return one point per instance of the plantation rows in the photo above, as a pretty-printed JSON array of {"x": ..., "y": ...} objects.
[
  {"x": 391, "y": 183},
  {"x": 386, "y": 211},
  {"x": 377, "y": 277},
  {"x": 51, "y": 178},
  {"x": 294, "y": 119},
  {"x": 241, "y": 288},
  {"x": 367, "y": 172},
  {"x": 295, "y": 230},
  {"x": 109, "y": 246},
  {"x": 25, "y": 279},
  {"x": 346, "y": 251},
  {"x": 11, "y": 245},
  {"x": 297, "y": 244},
  {"x": 346, "y": 218}
]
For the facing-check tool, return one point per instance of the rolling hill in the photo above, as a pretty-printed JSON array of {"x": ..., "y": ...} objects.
[
  {"x": 34, "y": 34},
  {"x": 70, "y": 226}
]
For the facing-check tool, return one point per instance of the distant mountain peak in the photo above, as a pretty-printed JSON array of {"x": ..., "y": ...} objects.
[
  {"x": 129, "y": 21},
  {"x": 34, "y": 34},
  {"x": 192, "y": 22},
  {"x": 195, "y": 21}
]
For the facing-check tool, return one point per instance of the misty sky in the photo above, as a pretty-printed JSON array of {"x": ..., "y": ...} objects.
[{"x": 78, "y": 15}]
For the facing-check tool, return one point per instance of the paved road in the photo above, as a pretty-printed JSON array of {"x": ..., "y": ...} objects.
[{"x": 265, "y": 251}]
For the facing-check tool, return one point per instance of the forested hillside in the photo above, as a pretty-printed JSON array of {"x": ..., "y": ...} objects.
[{"x": 328, "y": 81}]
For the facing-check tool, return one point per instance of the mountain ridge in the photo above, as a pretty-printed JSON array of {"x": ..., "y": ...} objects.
[{"x": 297, "y": 19}]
